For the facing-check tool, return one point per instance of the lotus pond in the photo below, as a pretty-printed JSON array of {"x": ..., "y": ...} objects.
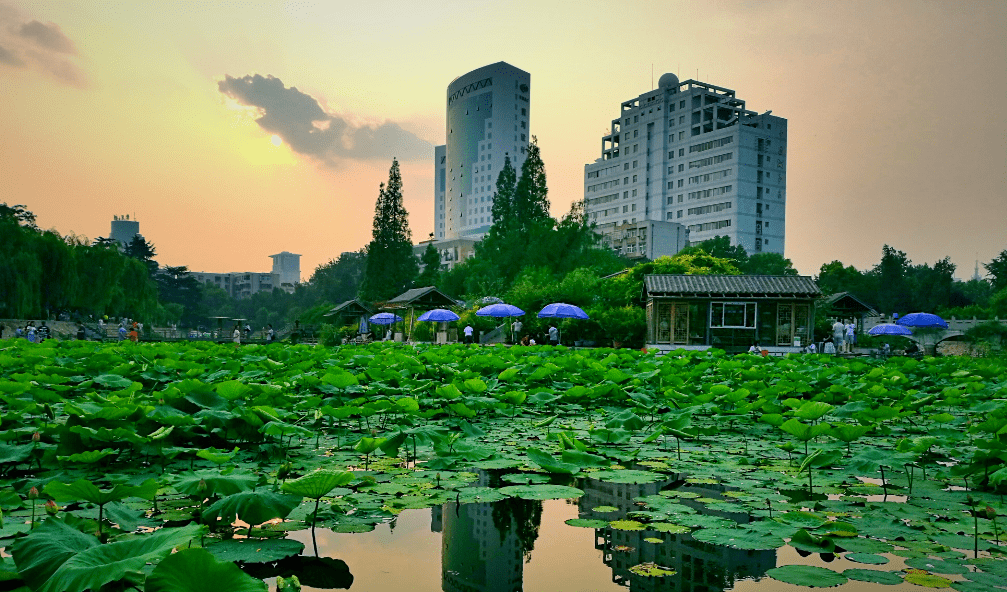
[{"x": 197, "y": 467}]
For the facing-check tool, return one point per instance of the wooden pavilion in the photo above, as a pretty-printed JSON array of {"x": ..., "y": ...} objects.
[{"x": 730, "y": 312}]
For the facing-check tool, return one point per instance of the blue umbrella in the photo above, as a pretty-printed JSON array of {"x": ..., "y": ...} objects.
[
  {"x": 561, "y": 310},
  {"x": 923, "y": 320},
  {"x": 385, "y": 318},
  {"x": 889, "y": 329},
  {"x": 439, "y": 315},
  {"x": 500, "y": 309}
]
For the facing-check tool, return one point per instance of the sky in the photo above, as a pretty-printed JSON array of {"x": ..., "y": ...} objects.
[{"x": 236, "y": 130}]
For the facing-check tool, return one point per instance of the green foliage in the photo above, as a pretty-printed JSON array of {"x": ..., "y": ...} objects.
[
  {"x": 391, "y": 266},
  {"x": 196, "y": 570},
  {"x": 58, "y": 558},
  {"x": 997, "y": 269}
]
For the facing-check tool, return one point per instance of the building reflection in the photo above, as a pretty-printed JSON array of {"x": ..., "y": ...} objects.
[
  {"x": 700, "y": 567},
  {"x": 484, "y": 546}
]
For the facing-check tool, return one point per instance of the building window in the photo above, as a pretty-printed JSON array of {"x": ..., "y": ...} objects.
[
  {"x": 732, "y": 315},
  {"x": 634, "y": 178},
  {"x": 680, "y": 213}
]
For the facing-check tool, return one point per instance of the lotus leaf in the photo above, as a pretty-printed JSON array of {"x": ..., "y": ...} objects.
[
  {"x": 541, "y": 492},
  {"x": 196, "y": 570},
  {"x": 253, "y": 507},
  {"x": 873, "y": 576},
  {"x": 254, "y": 551},
  {"x": 587, "y": 523},
  {"x": 807, "y": 575},
  {"x": 927, "y": 580}
]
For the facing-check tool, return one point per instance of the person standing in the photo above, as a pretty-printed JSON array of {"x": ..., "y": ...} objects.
[
  {"x": 236, "y": 336},
  {"x": 468, "y": 333},
  {"x": 270, "y": 334},
  {"x": 851, "y": 336},
  {"x": 81, "y": 333},
  {"x": 838, "y": 330},
  {"x": 553, "y": 335},
  {"x": 829, "y": 347}
]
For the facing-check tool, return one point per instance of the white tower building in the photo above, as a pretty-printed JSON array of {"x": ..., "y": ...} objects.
[
  {"x": 286, "y": 270},
  {"x": 690, "y": 153},
  {"x": 488, "y": 114}
]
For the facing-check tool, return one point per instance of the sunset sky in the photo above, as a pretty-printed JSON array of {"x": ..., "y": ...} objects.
[{"x": 184, "y": 114}]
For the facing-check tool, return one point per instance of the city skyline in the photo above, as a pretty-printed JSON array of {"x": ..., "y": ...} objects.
[{"x": 275, "y": 125}]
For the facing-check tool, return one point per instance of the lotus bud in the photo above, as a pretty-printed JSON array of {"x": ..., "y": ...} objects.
[
  {"x": 33, "y": 493},
  {"x": 51, "y": 508},
  {"x": 201, "y": 486},
  {"x": 36, "y": 437}
]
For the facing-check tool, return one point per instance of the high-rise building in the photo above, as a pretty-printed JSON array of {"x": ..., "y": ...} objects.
[
  {"x": 488, "y": 114},
  {"x": 287, "y": 268},
  {"x": 123, "y": 230},
  {"x": 692, "y": 154}
]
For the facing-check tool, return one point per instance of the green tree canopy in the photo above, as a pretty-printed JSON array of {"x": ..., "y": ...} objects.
[
  {"x": 997, "y": 269},
  {"x": 391, "y": 267},
  {"x": 431, "y": 261}
]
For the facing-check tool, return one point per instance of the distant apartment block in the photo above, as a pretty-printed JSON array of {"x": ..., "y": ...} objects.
[
  {"x": 645, "y": 239},
  {"x": 691, "y": 153},
  {"x": 452, "y": 251},
  {"x": 242, "y": 284}
]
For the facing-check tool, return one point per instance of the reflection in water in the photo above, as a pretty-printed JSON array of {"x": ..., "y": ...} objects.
[
  {"x": 517, "y": 545},
  {"x": 700, "y": 567},
  {"x": 484, "y": 545}
]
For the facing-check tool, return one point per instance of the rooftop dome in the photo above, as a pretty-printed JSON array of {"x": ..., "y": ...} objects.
[{"x": 667, "y": 80}]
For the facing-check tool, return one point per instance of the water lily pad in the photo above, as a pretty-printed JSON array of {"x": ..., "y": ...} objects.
[
  {"x": 807, "y": 575},
  {"x": 477, "y": 495},
  {"x": 497, "y": 463},
  {"x": 587, "y": 523},
  {"x": 525, "y": 478},
  {"x": 866, "y": 558},
  {"x": 874, "y": 576},
  {"x": 654, "y": 540},
  {"x": 605, "y": 509},
  {"x": 255, "y": 551},
  {"x": 936, "y": 565},
  {"x": 865, "y": 545},
  {"x": 668, "y": 527},
  {"x": 651, "y": 570},
  {"x": 627, "y": 525},
  {"x": 738, "y": 538},
  {"x": 627, "y": 476},
  {"x": 928, "y": 580},
  {"x": 541, "y": 492}
]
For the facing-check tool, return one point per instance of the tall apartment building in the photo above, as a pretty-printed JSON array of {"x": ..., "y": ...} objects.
[
  {"x": 488, "y": 114},
  {"x": 692, "y": 154},
  {"x": 286, "y": 274}
]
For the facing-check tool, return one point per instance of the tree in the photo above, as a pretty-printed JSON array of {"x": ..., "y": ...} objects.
[
  {"x": 141, "y": 250},
  {"x": 176, "y": 286},
  {"x": 19, "y": 214},
  {"x": 503, "y": 200},
  {"x": 720, "y": 246},
  {"x": 338, "y": 280},
  {"x": 431, "y": 261},
  {"x": 768, "y": 264},
  {"x": 531, "y": 194},
  {"x": 391, "y": 266},
  {"x": 894, "y": 289},
  {"x": 997, "y": 269}
]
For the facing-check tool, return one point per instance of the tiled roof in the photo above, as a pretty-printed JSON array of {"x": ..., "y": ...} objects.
[
  {"x": 432, "y": 294},
  {"x": 849, "y": 302},
  {"x": 350, "y": 307},
  {"x": 719, "y": 286}
]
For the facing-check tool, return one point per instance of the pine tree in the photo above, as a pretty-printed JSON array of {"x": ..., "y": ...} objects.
[
  {"x": 391, "y": 267},
  {"x": 531, "y": 195},
  {"x": 503, "y": 201},
  {"x": 140, "y": 249}
]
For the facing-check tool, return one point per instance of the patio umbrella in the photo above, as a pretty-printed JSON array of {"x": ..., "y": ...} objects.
[
  {"x": 438, "y": 315},
  {"x": 889, "y": 329},
  {"x": 385, "y": 318},
  {"x": 562, "y": 310},
  {"x": 923, "y": 320},
  {"x": 500, "y": 310}
]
